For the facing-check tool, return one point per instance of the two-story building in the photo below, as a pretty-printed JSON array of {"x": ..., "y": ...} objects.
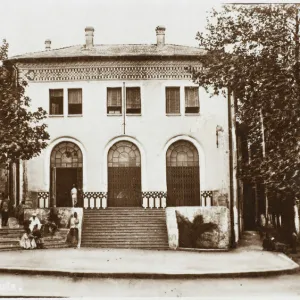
[{"x": 128, "y": 128}]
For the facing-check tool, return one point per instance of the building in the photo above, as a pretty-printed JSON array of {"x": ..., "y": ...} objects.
[{"x": 128, "y": 127}]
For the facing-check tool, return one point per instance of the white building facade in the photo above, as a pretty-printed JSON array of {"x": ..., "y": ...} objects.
[{"x": 127, "y": 126}]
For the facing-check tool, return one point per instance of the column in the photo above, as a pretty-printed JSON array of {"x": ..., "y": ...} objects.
[
  {"x": 25, "y": 182},
  {"x": 14, "y": 184}
]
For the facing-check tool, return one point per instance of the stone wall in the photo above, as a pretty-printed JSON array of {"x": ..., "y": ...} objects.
[{"x": 217, "y": 239}]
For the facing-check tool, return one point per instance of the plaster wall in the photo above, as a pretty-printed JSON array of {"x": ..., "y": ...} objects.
[{"x": 152, "y": 131}]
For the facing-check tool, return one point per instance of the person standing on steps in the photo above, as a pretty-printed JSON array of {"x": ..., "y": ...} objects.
[
  {"x": 4, "y": 211},
  {"x": 74, "y": 195}
]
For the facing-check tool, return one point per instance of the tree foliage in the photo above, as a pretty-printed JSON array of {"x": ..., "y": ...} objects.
[
  {"x": 254, "y": 51},
  {"x": 22, "y": 136}
]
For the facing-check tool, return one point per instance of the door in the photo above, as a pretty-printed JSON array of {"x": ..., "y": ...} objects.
[
  {"x": 183, "y": 178},
  {"x": 183, "y": 186},
  {"x": 124, "y": 175},
  {"x": 66, "y": 165},
  {"x": 65, "y": 178}
]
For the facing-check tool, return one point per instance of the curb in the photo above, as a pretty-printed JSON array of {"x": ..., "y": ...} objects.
[{"x": 141, "y": 275}]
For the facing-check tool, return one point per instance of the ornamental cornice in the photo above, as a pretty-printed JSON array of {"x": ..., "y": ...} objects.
[{"x": 107, "y": 70}]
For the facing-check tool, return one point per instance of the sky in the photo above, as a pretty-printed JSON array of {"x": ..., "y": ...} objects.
[{"x": 26, "y": 24}]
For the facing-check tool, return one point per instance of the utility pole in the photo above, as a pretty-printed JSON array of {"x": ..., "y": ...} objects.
[{"x": 124, "y": 109}]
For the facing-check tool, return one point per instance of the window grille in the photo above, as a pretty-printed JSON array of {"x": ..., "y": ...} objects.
[
  {"x": 124, "y": 154},
  {"x": 173, "y": 100},
  {"x": 66, "y": 155}
]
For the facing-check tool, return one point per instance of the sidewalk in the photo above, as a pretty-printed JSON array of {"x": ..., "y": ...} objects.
[{"x": 146, "y": 263}]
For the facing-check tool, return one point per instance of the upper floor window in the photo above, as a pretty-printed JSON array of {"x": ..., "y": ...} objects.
[
  {"x": 56, "y": 102},
  {"x": 133, "y": 100},
  {"x": 74, "y": 101},
  {"x": 191, "y": 99},
  {"x": 114, "y": 101},
  {"x": 172, "y": 100}
]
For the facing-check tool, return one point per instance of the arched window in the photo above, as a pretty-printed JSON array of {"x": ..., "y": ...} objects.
[
  {"x": 182, "y": 154},
  {"x": 66, "y": 155},
  {"x": 124, "y": 154}
]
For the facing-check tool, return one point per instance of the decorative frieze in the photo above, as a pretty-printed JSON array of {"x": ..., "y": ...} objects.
[{"x": 107, "y": 70}]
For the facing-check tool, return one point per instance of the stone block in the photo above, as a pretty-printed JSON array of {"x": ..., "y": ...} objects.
[
  {"x": 217, "y": 238},
  {"x": 13, "y": 223}
]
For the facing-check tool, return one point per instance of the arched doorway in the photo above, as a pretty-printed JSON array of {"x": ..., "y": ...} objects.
[
  {"x": 124, "y": 175},
  {"x": 183, "y": 180},
  {"x": 66, "y": 170}
]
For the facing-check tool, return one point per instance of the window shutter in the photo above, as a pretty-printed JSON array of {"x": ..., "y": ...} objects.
[
  {"x": 114, "y": 97},
  {"x": 173, "y": 100},
  {"x": 191, "y": 97},
  {"x": 75, "y": 96},
  {"x": 133, "y": 98}
]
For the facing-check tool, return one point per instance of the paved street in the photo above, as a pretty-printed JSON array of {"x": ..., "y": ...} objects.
[
  {"x": 145, "y": 262},
  {"x": 278, "y": 286}
]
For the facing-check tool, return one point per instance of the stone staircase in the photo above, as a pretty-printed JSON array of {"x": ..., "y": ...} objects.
[
  {"x": 10, "y": 237},
  {"x": 125, "y": 228}
]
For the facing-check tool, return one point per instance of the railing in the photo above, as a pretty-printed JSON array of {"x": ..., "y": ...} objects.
[
  {"x": 206, "y": 199},
  {"x": 154, "y": 199},
  {"x": 43, "y": 199},
  {"x": 150, "y": 200},
  {"x": 95, "y": 200}
]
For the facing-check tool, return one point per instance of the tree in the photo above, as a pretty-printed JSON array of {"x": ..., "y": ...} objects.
[
  {"x": 22, "y": 136},
  {"x": 253, "y": 50}
]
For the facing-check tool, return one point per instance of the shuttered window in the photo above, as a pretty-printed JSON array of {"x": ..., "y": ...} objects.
[
  {"x": 74, "y": 101},
  {"x": 191, "y": 99},
  {"x": 114, "y": 100},
  {"x": 56, "y": 102},
  {"x": 133, "y": 100},
  {"x": 172, "y": 100}
]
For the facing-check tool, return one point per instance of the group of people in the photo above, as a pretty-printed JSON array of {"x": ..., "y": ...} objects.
[{"x": 32, "y": 237}]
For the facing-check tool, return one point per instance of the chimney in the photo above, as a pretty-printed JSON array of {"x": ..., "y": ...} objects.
[
  {"x": 89, "y": 37},
  {"x": 160, "y": 35},
  {"x": 48, "y": 45}
]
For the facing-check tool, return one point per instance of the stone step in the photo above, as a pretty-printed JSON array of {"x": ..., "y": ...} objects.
[
  {"x": 125, "y": 228},
  {"x": 13, "y": 239},
  {"x": 129, "y": 246},
  {"x": 123, "y": 237},
  {"x": 123, "y": 233},
  {"x": 130, "y": 212},
  {"x": 120, "y": 227}
]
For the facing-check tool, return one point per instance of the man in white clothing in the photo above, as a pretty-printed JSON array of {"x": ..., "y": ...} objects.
[
  {"x": 74, "y": 195},
  {"x": 34, "y": 220}
]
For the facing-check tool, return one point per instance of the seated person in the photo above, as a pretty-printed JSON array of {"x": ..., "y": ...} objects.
[
  {"x": 27, "y": 240},
  {"x": 34, "y": 220},
  {"x": 37, "y": 235}
]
